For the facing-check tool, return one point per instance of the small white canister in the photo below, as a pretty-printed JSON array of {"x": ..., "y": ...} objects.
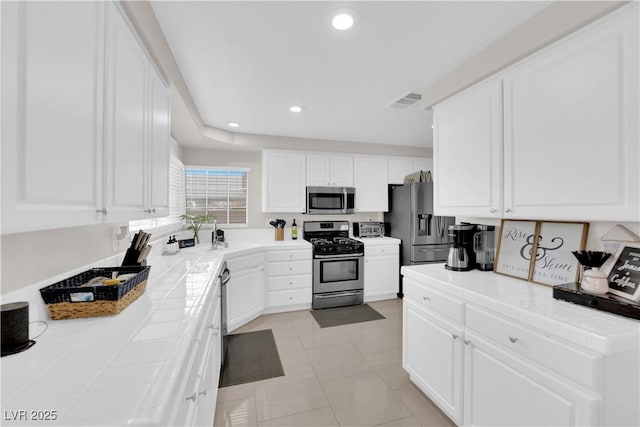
[{"x": 594, "y": 281}]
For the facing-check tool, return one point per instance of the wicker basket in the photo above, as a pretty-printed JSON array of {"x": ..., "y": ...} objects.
[{"x": 69, "y": 299}]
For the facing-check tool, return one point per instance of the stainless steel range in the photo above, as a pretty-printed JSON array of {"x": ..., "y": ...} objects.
[{"x": 338, "y": 264}]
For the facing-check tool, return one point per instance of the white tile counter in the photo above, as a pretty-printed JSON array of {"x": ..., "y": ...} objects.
[
  {"x": 379, "y": 241},
  {"x": 533, "y": 303},
  {"x": 118, "y": 370}
]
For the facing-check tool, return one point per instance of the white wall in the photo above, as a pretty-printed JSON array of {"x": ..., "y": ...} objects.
[{"x": 28, "y": 258}]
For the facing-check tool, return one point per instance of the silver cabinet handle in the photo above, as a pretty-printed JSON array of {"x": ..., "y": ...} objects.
[
  {"x": 426, "y": 298},
  {"x": 492, "y": 210},
  {"x": 150, "y": 210},
  {"x": 192, "y": 397},
  {"x": 455, "y": 336},
  {"x": 203, "y": 393},
  {"x": 513, "y": 339},
  {"x": 467, "y": 342},
  {"x": 102, "y": 211},
  {"x": 507, "y": 210}
]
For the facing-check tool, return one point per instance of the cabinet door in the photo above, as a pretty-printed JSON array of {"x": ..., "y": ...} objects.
[
  {"x": 126, "y": 122},
  {"x": 245, "y": 297},
  {"x": 571, "y": 128},
  {"x": 371, "y": 178},
  {"x": 491, "y": 375},
  {"x": 283, "y": 181},
  {"x": 432, "y": 355},
  {"x": 467, "y": 153},
  {"x": 318, "y": 169},
  {"x": 399, "y": 168},
  {"x": 158, "y": 186},
  {"x": 52, "y": 78},
  {"x": 342, "y": 171},
  {"x": 381, "y": 276}
]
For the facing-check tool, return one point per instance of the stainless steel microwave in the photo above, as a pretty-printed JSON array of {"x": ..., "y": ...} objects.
[{"x": 331, "y": 200}]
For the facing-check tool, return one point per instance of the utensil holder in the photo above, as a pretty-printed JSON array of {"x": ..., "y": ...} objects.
[{"x": 279, "y": 233}]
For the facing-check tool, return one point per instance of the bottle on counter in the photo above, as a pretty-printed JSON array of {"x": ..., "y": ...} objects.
[{"x": 294, "y": 230}]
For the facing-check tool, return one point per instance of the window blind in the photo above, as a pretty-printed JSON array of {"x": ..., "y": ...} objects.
[
  {"x": 176, "y": 200},
  {"x": 220, "y": 192}
]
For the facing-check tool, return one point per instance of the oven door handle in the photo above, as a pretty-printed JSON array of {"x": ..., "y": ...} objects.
[
  {"x": 337, "y": 295},
  {"x": 338, "y": 256}
]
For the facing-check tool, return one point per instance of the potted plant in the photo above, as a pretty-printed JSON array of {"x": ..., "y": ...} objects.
[{"x": 195, "y": 223}]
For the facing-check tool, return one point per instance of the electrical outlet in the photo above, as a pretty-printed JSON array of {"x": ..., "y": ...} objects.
[{"x": 120, "y": 237}]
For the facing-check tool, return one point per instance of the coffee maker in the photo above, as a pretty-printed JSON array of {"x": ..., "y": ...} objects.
[
  {"x": 461, "y": 256},
  {"x": 484, "y": 246}
]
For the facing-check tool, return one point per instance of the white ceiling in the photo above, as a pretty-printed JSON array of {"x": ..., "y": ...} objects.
[{"x": 249, "y": 61}]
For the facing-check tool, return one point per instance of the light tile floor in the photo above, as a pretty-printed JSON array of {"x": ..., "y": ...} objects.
[{"x": 347, "y": 375}]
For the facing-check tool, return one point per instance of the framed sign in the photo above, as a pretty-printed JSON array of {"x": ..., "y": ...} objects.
[
  {"x": 516, "y": 246},
  {"x": 624, "y": 278},
  {"x": 554, "y": 263}
]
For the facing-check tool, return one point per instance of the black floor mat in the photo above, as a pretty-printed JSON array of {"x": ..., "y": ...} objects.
[
  {"x": 328, "y": 317},
  {"x": 252, "y": 356}
]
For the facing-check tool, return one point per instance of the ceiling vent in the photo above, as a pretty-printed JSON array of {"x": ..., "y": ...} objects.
[{"x": 405, "y": 101}]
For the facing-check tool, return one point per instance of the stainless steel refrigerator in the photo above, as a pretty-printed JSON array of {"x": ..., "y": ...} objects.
[{"x": 410, "y": 218}]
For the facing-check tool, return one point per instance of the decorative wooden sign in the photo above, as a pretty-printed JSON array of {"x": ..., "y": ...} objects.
[
  {"x": 554, "y": 263},
  {"x": 515, "y": 248}
]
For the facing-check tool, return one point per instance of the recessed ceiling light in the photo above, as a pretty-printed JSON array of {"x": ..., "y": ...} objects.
[
  {"x": 233, "y": 124},
  {"x": 342, "y": 21},
  {"x": 296, "y": 109}
]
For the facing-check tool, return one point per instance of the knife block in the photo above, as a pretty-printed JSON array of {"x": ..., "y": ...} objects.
[{"x": 279, "y": 233}]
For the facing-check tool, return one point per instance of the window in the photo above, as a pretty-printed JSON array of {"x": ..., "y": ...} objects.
[
  {"x": 220, "y": 192},
  {"x": 176, "y": 200}
]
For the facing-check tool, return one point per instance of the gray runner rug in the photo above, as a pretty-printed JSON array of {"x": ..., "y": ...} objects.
[
  {"x": 252, "y": 356},
  {"x": 337, "y": 316}
]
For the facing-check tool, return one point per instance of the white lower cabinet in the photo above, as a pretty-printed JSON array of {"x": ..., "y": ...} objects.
[
  {"x": 485, "y": 368},
  {"x": 432, "y": 355},
  {"x": 381, "y": 266},
  {"x": 502, "y": 388},
  {"x": 245, "y": 290},
  {"x": 197, "y": 393},
  {"x": 289, "y": 279}
]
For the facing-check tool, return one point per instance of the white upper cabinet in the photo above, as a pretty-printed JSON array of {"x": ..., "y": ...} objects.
[
  {"x": 329, "y": 169},
  {"x": 84, "y": 135},
  {"x": 371, "y": 178},
  {"x": 399, "y": 167},
  {"x": 467, "y": 152},
  {"x": 571, "y": 127},
  {"x": 126, "y": 131},
  {"x": 159, "y": 124},
  {"x": 568, "y": 131},
  {"x": 52, "y": 58},
  {"x": 283, "y": 181}
]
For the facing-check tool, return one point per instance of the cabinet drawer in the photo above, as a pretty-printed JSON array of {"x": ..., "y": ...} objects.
[
  {"x": 569, "y": 361},
  {"x": 433, "y": 300},
  {"x": 281, "y": 283},
  {"x": 370, "y": 251},
  {"x": 245, "y": 262},
  {"x": 288, "y": 255},
  {"x": 289, "y": 268},
  {"x": 294, "y": 297}
]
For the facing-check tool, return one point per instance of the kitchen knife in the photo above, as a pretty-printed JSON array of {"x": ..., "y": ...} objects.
[{"x": 143, "y": 254}]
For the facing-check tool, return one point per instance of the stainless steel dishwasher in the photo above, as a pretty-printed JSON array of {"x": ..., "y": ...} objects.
[{"x": 225, "y": 276}]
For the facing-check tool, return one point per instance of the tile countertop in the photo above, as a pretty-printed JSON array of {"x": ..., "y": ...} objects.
[
  {"x": 87, "y": 370},
  {"x": 379, "y": 241},
  {"x": 533, "y": 304}
]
